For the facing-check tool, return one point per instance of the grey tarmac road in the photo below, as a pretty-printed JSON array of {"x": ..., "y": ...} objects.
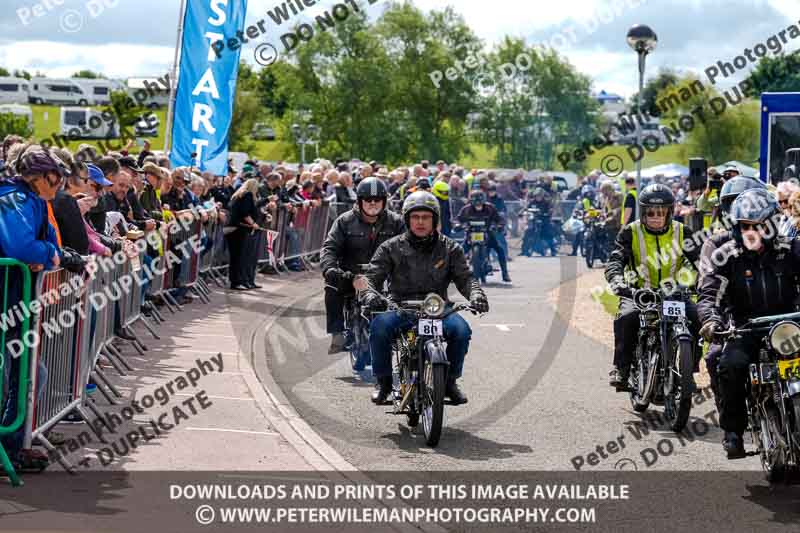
[{"x": 538, "y": 398}]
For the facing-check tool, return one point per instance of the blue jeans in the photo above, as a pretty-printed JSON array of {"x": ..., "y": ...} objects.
[
  {"x": 386, "y": 326},
  {"x": 500, "y": 236}
]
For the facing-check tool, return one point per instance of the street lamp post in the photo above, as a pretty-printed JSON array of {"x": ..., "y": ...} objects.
[
  {"x": 306, "y": 134},
  {"x": 642, "y": 39}
]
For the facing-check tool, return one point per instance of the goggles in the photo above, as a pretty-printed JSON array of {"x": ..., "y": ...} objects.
[{"x": 656, "y": 211}]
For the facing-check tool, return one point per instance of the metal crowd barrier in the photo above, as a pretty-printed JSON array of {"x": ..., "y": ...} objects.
[
  {"x": 6, "y": 356},
  {"x": 297, "y": 235}
]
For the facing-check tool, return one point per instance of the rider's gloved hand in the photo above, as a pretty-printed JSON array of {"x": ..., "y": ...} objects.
[
  {"x": 619, "y": 288},
  {"x": 334, "y": 276},
  {"x": 370, "y": 300},
  {"x": 709, "y": 328},
  {"x": 479, "y": 302}
]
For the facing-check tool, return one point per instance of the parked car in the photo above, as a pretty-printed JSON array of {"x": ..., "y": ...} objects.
[
  {"x": 262, "y": 131},
  {"x": 147, "y": 126}
]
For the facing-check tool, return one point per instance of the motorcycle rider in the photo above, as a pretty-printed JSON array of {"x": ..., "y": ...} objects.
[
  {"x": 539, "y": 200},
  {"x": 418, "y": 262},
  {"x": 351, "y": 241},
  {"x": 746, "y": 273},
  {"x": 730, "y": 191},
  {"x": 647, "y": 253},
  {"x": 479, "y": 209},
  {"x": 581, "y": 208}
]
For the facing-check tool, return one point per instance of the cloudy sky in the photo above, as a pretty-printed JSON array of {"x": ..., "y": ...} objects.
[{"x": 128, "y": 38}]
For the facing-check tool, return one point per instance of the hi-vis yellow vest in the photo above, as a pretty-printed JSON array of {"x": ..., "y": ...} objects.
[
  {"x": 708, "y": 217},
  {"x": 633, "y": 214},
  {"x": 658, "y": 258}
]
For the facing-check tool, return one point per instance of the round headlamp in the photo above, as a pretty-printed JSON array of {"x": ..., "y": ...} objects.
[
  {"x": 784, "y": 337},
  {"x": 433, "y": 305}
]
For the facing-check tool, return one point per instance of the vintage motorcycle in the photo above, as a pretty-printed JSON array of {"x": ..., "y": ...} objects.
[
  {"x": 662, "y": 371},
  {"x": 420, "y": 363},
  {"x": 533, "y": 240},
  {"x": 773, "y": 399},
  {"x": 356, "y": 327},
  {"x": 477, "y": 237},
  {"x": 595, "y": 244}
]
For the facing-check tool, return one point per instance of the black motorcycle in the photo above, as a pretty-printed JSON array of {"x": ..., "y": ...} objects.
[
  {"x": 595, "y": 244},
  {"x": 477, "y": 238},
  {"x": 773, "y": 397},
  {"x": 421, "y": 365},
  {"x": 538, "y": 234},
  {"x": 356, "y": 325},
  {"x": 662, "y": 371}
]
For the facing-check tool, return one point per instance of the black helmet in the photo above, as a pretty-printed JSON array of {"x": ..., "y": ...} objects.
[
  {"x": 733, "y": 188},
  {"x": 477, "y": 197},
  {"x": 657, "y": 195},
  {"x": 371, "y": 188},
  {"x": 420, "y": 200}
]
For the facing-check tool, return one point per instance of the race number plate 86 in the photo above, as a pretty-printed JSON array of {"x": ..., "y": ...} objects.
[
  {"x": 675, "y": 309},
  {"x": 430, "y": 328}
]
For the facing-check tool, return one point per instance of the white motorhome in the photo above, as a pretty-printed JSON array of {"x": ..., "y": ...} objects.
[
  {"x": 154, "y": 93},
  {"x": 14, "y": 90},
  {"x": 19, "y": 110},
  {"x": 86, "y": 123},
  {"x": 57, "y": 91},
  {"x": 98, "y": 91}
]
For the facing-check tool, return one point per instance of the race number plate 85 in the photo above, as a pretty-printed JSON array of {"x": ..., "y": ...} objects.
[
  {"x": 675, "y": 309},
  {"x": 430, "y": 328}
]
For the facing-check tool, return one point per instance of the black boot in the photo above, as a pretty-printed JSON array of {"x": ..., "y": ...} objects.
[
  {"x": 618, "y": 378},
  {"x": 383, "y": 390},
  {"x": 452, "y": 391},
  {"x": 733, "y": 445}
]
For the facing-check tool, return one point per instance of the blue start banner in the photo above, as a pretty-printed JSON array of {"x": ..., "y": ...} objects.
[{"x": 206, "y": 86}]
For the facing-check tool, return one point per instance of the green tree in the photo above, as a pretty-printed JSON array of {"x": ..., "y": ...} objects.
[
  {"x": 664, "y": 79},
  {"x": 246, "y": 109},
  {"x": 779, "y": 74},
  {"x": 720, "y": 131},
  {"x": 4, "y": 72},
  {"x": 14, "y": 124},
  {"x": 88, "y": 74},
  {"x": 533, "y": 102},
  {"x": 22, "y": 74}
]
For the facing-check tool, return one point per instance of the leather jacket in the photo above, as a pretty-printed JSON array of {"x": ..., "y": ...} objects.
[
  {"x": 747, "y": 284},
  {"x": 414, "y": 270},
  {"x": 351, "y": 241}
]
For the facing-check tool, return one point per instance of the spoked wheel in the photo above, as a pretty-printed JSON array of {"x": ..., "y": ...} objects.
[
  {"x": 796, "y": 411},
  {"x": 433, "y": 383},
  {"x": 773, "y": 448},
  {"x": 678, "y": 385},
  {"x": 638, "y": 382},
  {"x": 588, "y": 252}
]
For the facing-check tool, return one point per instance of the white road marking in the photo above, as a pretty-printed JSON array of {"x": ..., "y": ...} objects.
[
  {"x": 270, "y": 433},
  {"x": 218, "y": 397},
  {"x": 504, "y": 327}
]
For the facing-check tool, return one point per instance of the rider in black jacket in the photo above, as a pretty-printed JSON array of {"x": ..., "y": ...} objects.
[
  {"x": 352, "y": 241},
  {"x": 418, "y": 262},
  {"x": 479, "y": 209},
  {"x": 747, "y": 272}
]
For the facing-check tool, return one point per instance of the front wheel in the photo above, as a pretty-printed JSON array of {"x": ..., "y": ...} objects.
[
  {"x": 588, "y": 252},
  {"x": 432, "y": 391},
  {"x": 678, "y": 387},
  {"x": 637, "y": 382}
]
